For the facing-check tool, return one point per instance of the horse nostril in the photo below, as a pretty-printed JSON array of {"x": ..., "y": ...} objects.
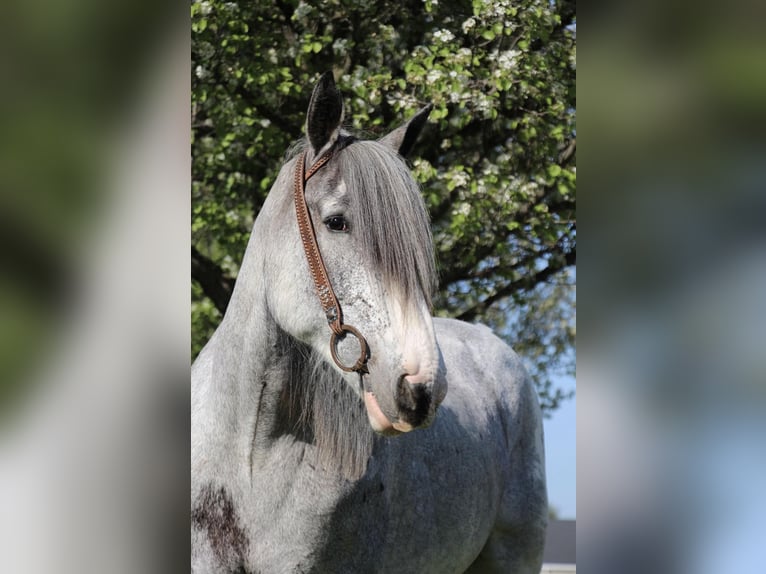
[
  {"x": 413, "y": 400},
  {"x": 405, "y": 396}
]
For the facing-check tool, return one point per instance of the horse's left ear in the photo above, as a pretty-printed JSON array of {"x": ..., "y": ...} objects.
[
  {"x": 325, "y": 114},
  {"x": 403, "y": 138}
]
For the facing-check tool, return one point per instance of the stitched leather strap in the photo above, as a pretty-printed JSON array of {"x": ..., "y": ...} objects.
[
  {"x": 310, "y": 247},
  {"x": 325, "y": 292}
]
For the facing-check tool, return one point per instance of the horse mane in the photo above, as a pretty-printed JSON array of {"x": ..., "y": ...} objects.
[{"x": 317, "y": 406}]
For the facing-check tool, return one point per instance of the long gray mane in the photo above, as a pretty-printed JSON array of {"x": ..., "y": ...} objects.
[
  {"x": 318, "y": 407},
  {"x": 392, "y": 227}
]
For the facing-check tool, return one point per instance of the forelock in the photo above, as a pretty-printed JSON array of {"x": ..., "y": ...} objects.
[{"x": 389, "y": 217}]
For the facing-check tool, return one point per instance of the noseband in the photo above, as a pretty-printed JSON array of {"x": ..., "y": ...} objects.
[{"x": 324, "y": 289}]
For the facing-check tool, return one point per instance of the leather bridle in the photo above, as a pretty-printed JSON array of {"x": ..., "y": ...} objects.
[{"x": 327, "y": 298}]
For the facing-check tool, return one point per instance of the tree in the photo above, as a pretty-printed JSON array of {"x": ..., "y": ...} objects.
[{"x": 496, "y": 163}]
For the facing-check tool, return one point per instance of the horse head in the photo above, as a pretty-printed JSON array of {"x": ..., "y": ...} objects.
[{"x": 372, "y": 232}]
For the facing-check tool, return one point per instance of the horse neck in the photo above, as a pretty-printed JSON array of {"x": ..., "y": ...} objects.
[
  {"x": 262, "y": 384},
  {"x": 237, "y": 380},
  {"x": 274, "y": 388}
]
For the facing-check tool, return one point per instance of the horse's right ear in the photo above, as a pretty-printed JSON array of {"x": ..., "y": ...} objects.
[
  {"x": 325, "y": 114},
  {"x": 403, "y": 138}
]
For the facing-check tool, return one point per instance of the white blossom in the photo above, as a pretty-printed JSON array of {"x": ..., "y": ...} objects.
[
  {"x": 482, "y": 103},
  {"x": 469, "y": 24},
  {"x": 508, "y": 59},
  {"x": 460, "y": 178},
  {"x": 463, "y": 208},
  {"x": 443, "y": 36},
  {"x": 434, "y": 76},
  {"x": 302, "y": 11},
  {"x": 340, "y": 46},
  {"x": 500, "y": 7}
]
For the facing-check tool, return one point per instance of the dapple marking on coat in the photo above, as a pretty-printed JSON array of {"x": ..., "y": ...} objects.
[{"x": 298, "y": 467}]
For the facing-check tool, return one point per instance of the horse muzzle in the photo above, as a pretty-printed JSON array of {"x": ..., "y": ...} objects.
[{"x": 414, "y": 404}]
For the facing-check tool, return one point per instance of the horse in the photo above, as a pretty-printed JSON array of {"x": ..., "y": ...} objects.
[{"x": 337, "y": 427}]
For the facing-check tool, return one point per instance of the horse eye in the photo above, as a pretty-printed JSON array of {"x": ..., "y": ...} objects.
[{"x": 336, "y": 223}]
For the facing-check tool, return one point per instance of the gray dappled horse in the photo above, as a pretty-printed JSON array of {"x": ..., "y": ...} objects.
[{"x": 301, "y": 456}]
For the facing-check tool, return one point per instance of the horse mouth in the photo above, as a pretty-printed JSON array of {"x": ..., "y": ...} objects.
[{"x": 379, "y": 421}]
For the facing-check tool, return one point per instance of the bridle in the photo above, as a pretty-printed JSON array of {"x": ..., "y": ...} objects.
[{"x": 327, "y": 298}]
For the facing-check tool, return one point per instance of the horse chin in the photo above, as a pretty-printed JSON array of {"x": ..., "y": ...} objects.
[{"x": 379, "y": 421}]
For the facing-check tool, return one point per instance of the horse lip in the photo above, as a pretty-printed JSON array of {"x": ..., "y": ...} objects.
[
  {"x": 378, "y": 420},
  {"x": 403, "y": 426}
]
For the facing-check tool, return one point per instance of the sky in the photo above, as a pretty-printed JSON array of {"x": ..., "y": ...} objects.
[{"x": 561, "y": 454}]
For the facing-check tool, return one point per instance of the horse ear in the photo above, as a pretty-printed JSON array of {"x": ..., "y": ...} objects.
[
  {"x": 403, "y": 138},
  {"x": 325, "y": 113}
]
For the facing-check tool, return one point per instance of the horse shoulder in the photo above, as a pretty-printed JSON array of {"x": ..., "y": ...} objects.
[
  {"x": 481, "y": 367},
  {"x": 474, "y": 355}
]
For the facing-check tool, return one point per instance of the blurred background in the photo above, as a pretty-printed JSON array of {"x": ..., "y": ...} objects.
[
  {"x": 670, "y": 362},
  {"x": 94, "y": 264}
]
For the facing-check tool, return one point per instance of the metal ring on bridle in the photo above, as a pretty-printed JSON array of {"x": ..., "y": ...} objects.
[{"x": 361, "y": 363}]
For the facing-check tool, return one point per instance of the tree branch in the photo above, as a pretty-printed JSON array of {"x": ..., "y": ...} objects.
[
  {"x": 523, "y": 283},
  {"x": 525, "y": 262},
  {"x": 214, "y": 282},
  {"x": 567, "y": 152}
]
